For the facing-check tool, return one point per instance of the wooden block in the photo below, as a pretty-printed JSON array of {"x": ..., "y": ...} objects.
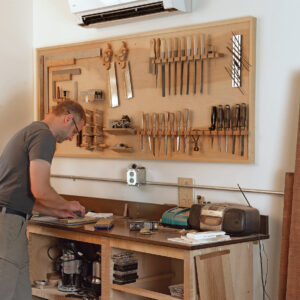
[
  {"x": 77, "y": 220},
  {"x": 62, "y": 77},
  {"x": 185, "y": 195},
  {"x": 60, "y": 62},
  {"x": 214, "y": 276}
]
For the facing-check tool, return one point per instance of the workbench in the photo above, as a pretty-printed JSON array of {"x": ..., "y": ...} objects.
[{"x": 224, "y": 266}]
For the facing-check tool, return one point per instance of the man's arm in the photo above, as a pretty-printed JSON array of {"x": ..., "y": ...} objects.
[{"x": 48, "y": 200}]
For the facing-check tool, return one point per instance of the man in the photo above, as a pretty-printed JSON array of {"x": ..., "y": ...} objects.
[{"x": 25, "y": 186}]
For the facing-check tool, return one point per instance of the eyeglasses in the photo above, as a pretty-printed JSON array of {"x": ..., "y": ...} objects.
[{"x": 74, "y": 122}]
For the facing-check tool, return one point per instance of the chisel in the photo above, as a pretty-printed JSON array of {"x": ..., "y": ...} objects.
[
  {"x": 172, "y": 126},
  {"x": 235, "y": 125},
  {"x": 178, "y": 130},
  {"x": 227, "y": 119},
  {"x": 188, "y": 53},
  {"x": 169, "y": 63},
  {"x": 212, "y": 127},
  {"x": 148, "y": 129},
  {"x": 154, "y": 121},
  {"x": 161, "y": 122},
  {"x": 157, "y": 52},
  {"x": 220, "y": 124},
  {"x": 163, "y": 67},
  {"x": 182, "y": 49},
  {"x": 243, "y": 126},
  {"x": 185, "y": 124},
  {"x": 142, "y": 129},
  {"x": 152, "y": 64},
  {"x": 202, "y": 51},
  {"x": 175, "y": 64},
  {"x": 166, "y": 132},
  {"x": 195, "y": 61}
]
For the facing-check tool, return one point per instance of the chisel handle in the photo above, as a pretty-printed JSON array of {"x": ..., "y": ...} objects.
[
  {"x": 154, "y": 121},
  {"x": 143, "y": 124},
  {"x": 189, "y": 45},
  {"x": 175, "y": 47},
  {"x": 178, "y": 120},
  {"x": 163, "y": 48},
  {"x": 167, "y": 121},
  {"x": 220, "y": 117},
  {"x": 202, "y": 46},
  {"x": 227, "y": 117},
  {"x": 236, "y": 117},
  {"x": 161, "y": 121},
  {"x": 213, "y": 118},
  {"x": 157, "y": 48},
  {"x": 195, "y": 44},
  {"x": 243, "y": 115},
  {"x": 182, "y": 46},
  {"x": 186, "y": 118},
  {"x": 169, "y": 48},
  {"x": 152, "y": 48}
]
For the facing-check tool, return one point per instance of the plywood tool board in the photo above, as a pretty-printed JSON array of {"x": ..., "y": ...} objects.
[{"x": 122, "y": 76}]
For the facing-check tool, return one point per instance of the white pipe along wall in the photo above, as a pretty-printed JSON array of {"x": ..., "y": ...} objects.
[{"x": 276, "y": 115}]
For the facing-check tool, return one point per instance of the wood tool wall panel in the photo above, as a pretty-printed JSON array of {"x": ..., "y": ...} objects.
[{"x": 171, "y": 117}]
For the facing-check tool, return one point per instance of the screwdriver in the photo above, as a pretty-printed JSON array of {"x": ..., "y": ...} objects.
[
  {"x": 235, "y": 125},
  {"x": 213, "y": 123},
  {"x": 220, "y": 123},
  {"x": 227, "y": 123},
  {"x": 243, "y": 126}
]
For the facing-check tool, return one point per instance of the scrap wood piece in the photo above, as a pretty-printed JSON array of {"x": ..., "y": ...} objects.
[
  {"x": 60, "y": 62},
  {"x": 76, "y": 71},
  {"x": 62, "y": 77}
]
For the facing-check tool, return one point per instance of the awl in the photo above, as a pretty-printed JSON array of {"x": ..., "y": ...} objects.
[
  {"x": 178, "y": 119},
  {"x": 154, "y": 121},
  {"x": 243, "y": 126},
  {"x": 227, "y": 121},
  {"x": 212, "y": 127},
  {"x": 235, "y": 125},
  {"x": 220, "y": 124}
]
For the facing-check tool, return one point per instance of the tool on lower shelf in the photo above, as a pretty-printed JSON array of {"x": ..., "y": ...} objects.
[
  {"x": 243, "y": 126},
  {"x": 220, "y": 125},
  {"x": 142, "y": 129},
  {"x": 178, "y": 119},
  {"x": 172, "y": 127},
  {"x": 236, "y": 117},
  {"x": 148, "y": 130},
  {"x": 161, "y": 125},
  {"x": 185, "y": 124},
  {"x": 227, "y": 121},
  {"x": 213, "y": 123},
  {"x": 154, "y": 122},
  {"x": 166, "y": 132}
]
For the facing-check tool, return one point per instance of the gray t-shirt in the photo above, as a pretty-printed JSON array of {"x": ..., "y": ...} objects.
[{"x": 35, "y": 141}]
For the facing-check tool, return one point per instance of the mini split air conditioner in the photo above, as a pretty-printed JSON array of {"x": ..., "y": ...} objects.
[{"x": 110, "y": 12}]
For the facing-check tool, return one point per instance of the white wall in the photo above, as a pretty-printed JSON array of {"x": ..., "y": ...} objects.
[
  {"x": 16, "y": 71},
  {"x": 277, "y": 98}
]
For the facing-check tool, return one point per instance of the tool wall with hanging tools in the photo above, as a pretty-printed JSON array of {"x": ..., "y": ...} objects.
[{"x": 178, "y": 94}]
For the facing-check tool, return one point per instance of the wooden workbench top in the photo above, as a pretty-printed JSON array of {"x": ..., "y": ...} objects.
[{"x": 159, "y": 237}]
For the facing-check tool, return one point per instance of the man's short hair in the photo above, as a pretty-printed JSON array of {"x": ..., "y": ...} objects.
[{"x": 69, "y": 106}]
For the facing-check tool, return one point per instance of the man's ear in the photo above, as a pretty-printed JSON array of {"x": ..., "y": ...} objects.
[{"x": 67, "y": 118}]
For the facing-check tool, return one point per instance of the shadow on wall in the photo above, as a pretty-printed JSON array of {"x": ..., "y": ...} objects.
[{"x": 15, "y": 113}]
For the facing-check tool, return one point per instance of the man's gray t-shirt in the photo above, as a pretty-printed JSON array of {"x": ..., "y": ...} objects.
[{"x": 35, "y": 141}]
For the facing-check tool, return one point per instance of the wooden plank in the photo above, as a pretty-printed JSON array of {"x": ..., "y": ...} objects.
[
  {"x": 76, "y": 71},
  {"x": 189, "y": 276},
  {"x": 62, "y": 77},
  {"x": 185, "y": 195},
  {"x": 286, "y": 226},
  {"x": 60, "y": 62}
]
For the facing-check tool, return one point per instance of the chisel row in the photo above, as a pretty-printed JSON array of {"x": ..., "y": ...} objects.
[
  {"x": 189, "y": 51},
  {"x": 229, "y": 118}
]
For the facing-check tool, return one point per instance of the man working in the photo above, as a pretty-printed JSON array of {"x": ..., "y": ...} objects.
[{"x": 25, "y": 186}]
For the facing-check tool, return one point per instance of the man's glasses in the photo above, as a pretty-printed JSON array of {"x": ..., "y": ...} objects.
[{"x": 74, "y": 122}]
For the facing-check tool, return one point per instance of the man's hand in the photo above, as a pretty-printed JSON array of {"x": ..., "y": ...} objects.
[{"x": 76, "y": 209}]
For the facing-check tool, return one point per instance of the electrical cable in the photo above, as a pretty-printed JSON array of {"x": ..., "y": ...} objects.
[{"x": 263, "y": 280}]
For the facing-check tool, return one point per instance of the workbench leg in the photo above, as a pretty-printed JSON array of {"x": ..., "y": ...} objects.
[
  {"x": 189, "y": 283},
  {"x": 105, "y": 270}
]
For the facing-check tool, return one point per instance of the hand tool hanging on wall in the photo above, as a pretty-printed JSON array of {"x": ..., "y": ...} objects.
[
  {"x": 235, "y": 124},
  {"x": 147, "y": 120},
  {"x": 202, "y": 51},
  {"x": 110, "y": 66},
  {"x": 169, "y": 63},
  {"x": 152, "y": 64},
  {"x": 123, "y": 61},
  {"x": 236, "y": 60},
  {"x": 163, "y": 67},
  {"x": 172, "y": 127},
  {"x": 188, "y": 54},
  {"x": 195, "y": 63},
  {"x": 227, "y": 121},
  {"x": 195, "y": 138},
  {"x": 243, "y": 126},
  {"x": 212, "y": 127},
  {"x": 178, "y": 129},
  {"x": 166, "y": 132},
  {"x": 157, "y": 54},
  {"x": 154, "y": 122},
  {"x": 175, "y": 64},
  {"x": 142, "y": 129},
  {"x": 220, "y": 125},
  {"x": 185, "y": 124},
  {"x": 182, "y": 49},
  {"x": 161, "y": 127}
]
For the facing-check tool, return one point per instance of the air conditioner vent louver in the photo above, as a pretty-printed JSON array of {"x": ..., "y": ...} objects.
[{"x": 125, "y": 13}]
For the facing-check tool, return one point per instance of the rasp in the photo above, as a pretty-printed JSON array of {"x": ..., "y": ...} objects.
[{"x": 182, "y": 51}]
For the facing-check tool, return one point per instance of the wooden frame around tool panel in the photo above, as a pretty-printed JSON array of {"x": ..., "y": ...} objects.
[{"x": 56, "y": 63}]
